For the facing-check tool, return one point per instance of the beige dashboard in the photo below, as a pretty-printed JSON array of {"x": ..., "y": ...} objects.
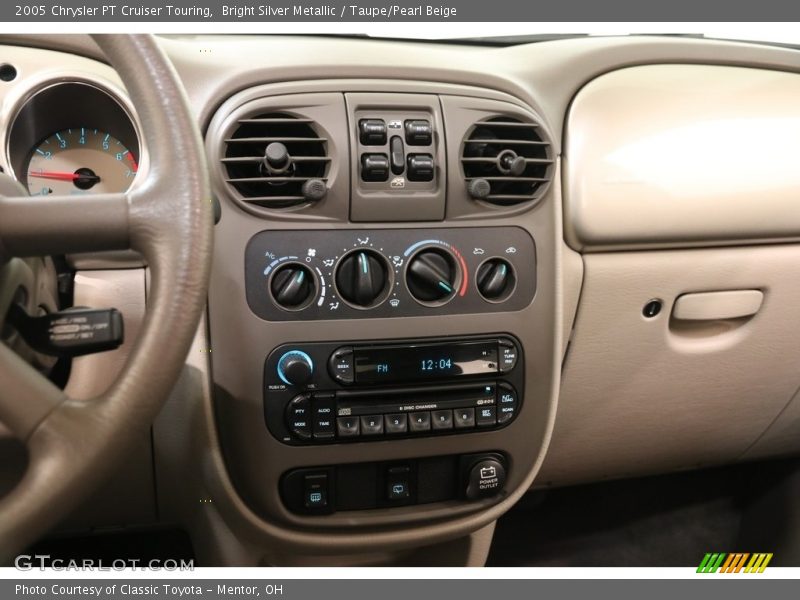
[{"x": 662, "y": 333}]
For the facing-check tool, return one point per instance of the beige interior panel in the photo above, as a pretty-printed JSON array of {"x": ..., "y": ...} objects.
[
  {"x": 572, "y": 276},
  {"x": 782, "y": 436},
  {"x": 675, "y": 155},
  {"x": 643, "y": 395}
]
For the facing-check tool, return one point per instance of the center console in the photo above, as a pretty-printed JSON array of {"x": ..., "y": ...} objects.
[{"x": 383, "y": 307}]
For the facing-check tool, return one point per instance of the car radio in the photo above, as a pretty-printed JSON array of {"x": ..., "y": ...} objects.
[{"x": 317, "y": 393}]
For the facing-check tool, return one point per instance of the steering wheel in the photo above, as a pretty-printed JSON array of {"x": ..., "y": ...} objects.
[{"x": 74, "y": 444}]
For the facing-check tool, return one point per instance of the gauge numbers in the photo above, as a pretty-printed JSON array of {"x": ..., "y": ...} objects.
[{"x": 80, "y": 160}]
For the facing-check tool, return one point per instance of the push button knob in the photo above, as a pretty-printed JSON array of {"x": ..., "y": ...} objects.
[
  {"x": 420, "y": 167},
  {"x": 419, "y": 132},
  {"x": 295, "y": 367},
  {"x": 372, "y": 132},
  {"x": 374, "y": 167}
]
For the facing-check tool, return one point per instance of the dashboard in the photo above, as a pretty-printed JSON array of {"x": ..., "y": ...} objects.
[{"x": 445, "y": 274}]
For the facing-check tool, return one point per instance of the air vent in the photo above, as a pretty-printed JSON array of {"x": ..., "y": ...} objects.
[
  {"x": 277, "y": 160},
  {"x": 506, "y": 161}
]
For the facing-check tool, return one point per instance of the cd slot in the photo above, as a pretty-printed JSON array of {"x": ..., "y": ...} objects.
[{"x": 405, "y": 400}]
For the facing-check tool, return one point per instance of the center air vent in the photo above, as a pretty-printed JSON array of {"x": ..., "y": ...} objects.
[
  {"x": 277, "y": 160},
  {"x": 506, "y": 161}
]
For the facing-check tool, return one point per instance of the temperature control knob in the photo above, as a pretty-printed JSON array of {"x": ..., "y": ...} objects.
[
  {"x": 495, "y": 279},
  {"x": 295, "y": 367},
  {"x": 292, "y": 286},
  {"x": 362, "y": 278},
  {"x": 432, "y": 275}
]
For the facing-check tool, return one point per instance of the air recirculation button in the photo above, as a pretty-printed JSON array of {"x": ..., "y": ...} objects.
[
  {"x": 362, "y": 278},
  {"x": 432, "y": 276},
  {"x": 293, "y": 286},
  {"x": 496, "y": 279}
]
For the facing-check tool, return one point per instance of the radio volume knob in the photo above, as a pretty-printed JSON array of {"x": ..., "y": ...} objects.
[{"x": 295, "y": 367}]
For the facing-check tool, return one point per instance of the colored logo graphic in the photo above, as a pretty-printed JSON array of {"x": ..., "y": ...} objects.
[{"x": 737, "y": 562}]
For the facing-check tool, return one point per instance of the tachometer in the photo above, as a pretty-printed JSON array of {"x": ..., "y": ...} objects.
[{"x": 80, "y": 160}]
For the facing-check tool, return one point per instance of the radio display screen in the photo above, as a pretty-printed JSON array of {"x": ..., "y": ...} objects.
[{"x": 386, "y": 364}]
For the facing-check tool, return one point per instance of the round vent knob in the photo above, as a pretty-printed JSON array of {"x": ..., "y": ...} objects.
[
  {"x": 314, "y": 190},
  {"x": 432, "y": 275},
  {"x": 479, "y": 188},
  {"x": 362, "y": 278},
  {"x": 495, "y": 279},
  {"x": 276, "y": 157},
  {"x": 510, "y": 163},
  {"x": 293, "y": 286}
]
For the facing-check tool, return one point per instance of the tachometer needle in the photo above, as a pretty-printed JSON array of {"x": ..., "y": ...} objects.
[{"x": 63, "y": 176}]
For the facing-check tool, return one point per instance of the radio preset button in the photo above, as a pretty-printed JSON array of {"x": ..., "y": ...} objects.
[
  {"x": 442, "y": 419},
  {"x": 372, "y": 425},
  {"x": 508, "y": 356},
  {"x": 419, "y": 421},
  {"x": 464, "y": 418},
  {"x": 298, "y": 417},
  {"x": 341, "y": 365},
  {"x": 397, "y": 423},
  {"x": 487, "y": 416},
  {"x": 347, "y": 426}
]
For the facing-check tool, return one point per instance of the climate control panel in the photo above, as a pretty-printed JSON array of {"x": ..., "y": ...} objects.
[
  {"x": 322, "y": 392},
  {"x": 345, "y": 274}
]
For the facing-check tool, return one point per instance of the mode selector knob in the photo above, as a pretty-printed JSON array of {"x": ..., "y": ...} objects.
[
  {"x": 295, "y": 367},
  {"x": 362, "y": 278}
]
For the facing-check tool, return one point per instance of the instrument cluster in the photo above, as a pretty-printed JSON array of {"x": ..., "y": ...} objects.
[{"x": 71, "y": 138}]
